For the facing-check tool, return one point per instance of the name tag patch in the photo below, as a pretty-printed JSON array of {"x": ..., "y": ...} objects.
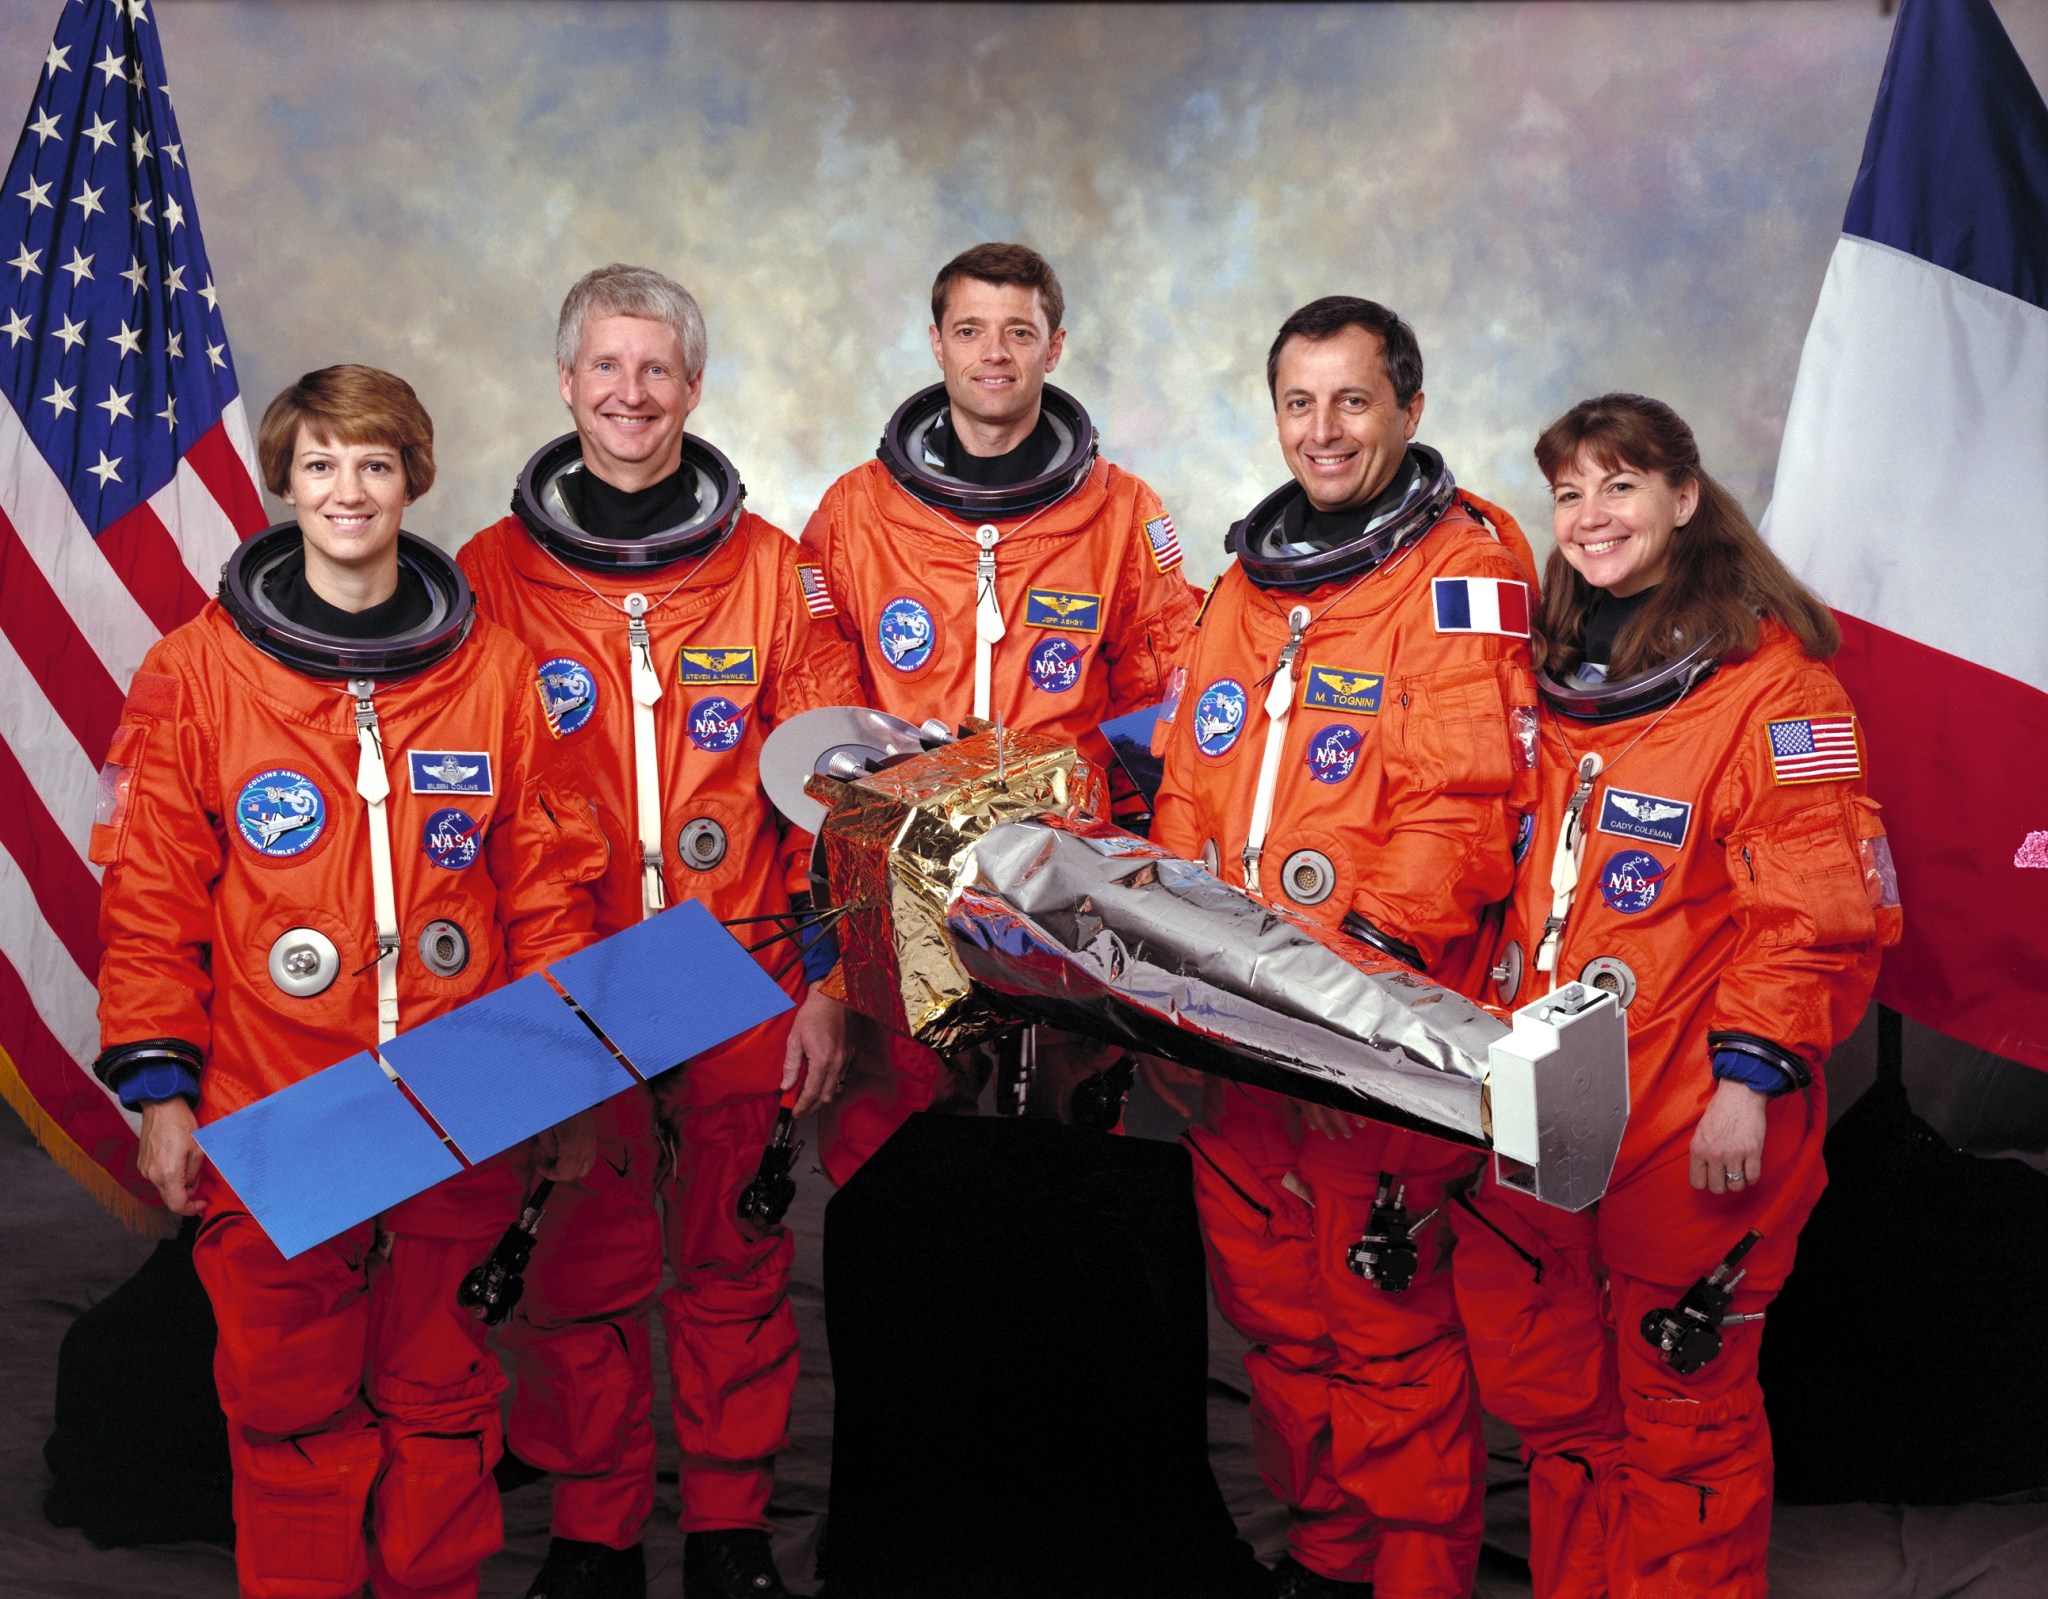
[
  {"x": 449, "y": 771},
  {"x": 1076, "y": 613},
  {"x": 716, "y": 663},
  {"x": 1339, "y": 688},
  {"x": 1649, "y": 817}
]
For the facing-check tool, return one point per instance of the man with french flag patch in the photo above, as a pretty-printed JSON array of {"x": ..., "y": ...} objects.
[{"x": 1349, "y": 747}]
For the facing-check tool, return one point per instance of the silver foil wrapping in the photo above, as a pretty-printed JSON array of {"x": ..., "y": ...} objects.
[
  {"x": 1081, "y": 924},
  {"x": 978, "y": 890}
]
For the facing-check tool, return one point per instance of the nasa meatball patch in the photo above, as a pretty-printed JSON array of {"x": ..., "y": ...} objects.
[
  {"x": 1056, "y": 665},
  {"x": 1631, "y": 881},
  {"x": 716, "y": 724},
  {"x": 1649, "y": 817},
  {"x": 280, "y": 813},
  {"x": 1333, "y": 752},
  {"x": 451, "y": 839},
  {"x": 449, "y": 771}
]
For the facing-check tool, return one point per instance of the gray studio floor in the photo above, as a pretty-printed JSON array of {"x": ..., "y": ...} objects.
[{"x": 59, "y": 1253}]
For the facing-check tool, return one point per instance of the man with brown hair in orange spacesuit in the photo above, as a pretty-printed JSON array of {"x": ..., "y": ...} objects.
[{"x": 989, "y": 563}]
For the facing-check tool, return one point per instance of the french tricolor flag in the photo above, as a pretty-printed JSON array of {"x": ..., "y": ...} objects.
[
  {"x": 1912, "y": 493},
  {"x": 1482, "y": 605}
]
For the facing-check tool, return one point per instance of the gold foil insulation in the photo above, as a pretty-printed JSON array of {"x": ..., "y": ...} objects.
[{"x": 894, "y": 846}]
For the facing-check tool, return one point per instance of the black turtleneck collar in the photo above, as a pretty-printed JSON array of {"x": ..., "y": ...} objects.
[
  {"x": 630, "y": 513},
  {"x": 409, "y": 607},
  {"x": 1303, "y": 527},
  {"x": 1605, "y": 619},
  {"x": 1027, "y": 461}
]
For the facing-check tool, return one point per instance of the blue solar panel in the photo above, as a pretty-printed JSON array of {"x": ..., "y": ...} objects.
[
  {"x": 505, "y": 1067},
  {"x": 332, "y": 1150},
  {"x": 670, "y": 988}
]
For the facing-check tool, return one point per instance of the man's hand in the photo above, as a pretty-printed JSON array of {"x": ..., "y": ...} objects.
[
  {"x": 569, "y": 1149},
  {"x": 170, "y": 1156},
  {"x": 1177, "y": 1087},
  {"x": 818, "y": 1051},
  {"x": 1728, "y": 1144}
]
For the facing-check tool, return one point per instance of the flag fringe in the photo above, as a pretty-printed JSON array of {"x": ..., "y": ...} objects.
[{"x": 89, "y": 1174}]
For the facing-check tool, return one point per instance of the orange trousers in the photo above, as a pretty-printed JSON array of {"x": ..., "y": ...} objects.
[
  {"x": 581, "y": 1340},
  {"x": 352, "y": 1380},
  {"x": 1642, "y": 1483},
  {"x": 1365, "y": 1415}
]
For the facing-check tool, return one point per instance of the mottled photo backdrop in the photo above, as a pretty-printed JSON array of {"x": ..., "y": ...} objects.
[{"x": 1563, "y": 199}]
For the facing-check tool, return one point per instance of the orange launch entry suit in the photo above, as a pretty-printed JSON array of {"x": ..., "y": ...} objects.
[
  {"x": 349, "y": 1375},
  {"x": 735, "y": 649},
  {"x": 1745, "y": 888},
  {"x": 1403, "y": 761},
  {"x": 1094, "y": 608}
]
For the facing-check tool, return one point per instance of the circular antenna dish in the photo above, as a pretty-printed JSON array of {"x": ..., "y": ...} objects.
[{"x": 838, "y": 740}]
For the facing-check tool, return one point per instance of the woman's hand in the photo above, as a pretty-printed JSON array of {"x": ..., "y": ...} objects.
[
  {"x": 818, "y": 1049},
  {"x": 1728, "y": 1144},
  {"x": 569, "y": 1149},
  {"x": 169, "y": 1155}
]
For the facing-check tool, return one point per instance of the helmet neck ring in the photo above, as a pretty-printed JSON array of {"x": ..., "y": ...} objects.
[
  {"x": 906, "y": 450},
  {"x": 538, "y": 502},
  {"x": 245, "y": 595}
]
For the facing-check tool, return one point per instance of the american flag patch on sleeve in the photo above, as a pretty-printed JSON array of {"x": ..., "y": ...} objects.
[
  {"x": 1482, "y": 605},
  {"x": 1814, "y": 749},
  {"x": 817, "y": 597},
  {"x": 1165, "y": 542}
]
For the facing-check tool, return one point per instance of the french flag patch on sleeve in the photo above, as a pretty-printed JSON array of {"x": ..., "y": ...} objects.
[{"x": 1482, "y": 605}]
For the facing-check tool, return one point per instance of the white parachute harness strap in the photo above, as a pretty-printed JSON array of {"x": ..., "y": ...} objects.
[
  {"x": 1566, "y": 859},
  {"x": 988, "y": 616},
  {"x": 1565, "y": 862},
  {"x": 989, "y": 629},
  {"x": 373, "y": 783},
  {"x": 1279, "y": 711},
  {"x": 646, "y": 775},
  {"x": 646, "y": 691}
]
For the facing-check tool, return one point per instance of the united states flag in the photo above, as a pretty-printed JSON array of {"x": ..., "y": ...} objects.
[
  {"x": 1165, "y": 542},
  {"x": 124, "y": 484},
  {"x": 1814, "y": 749}
]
